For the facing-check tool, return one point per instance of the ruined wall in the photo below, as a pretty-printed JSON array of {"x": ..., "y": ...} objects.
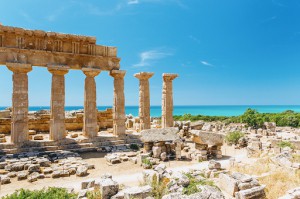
[{"x": 40, "y": 122}]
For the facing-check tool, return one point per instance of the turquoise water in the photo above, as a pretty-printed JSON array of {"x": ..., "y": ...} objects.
[{"x": 155, "y": 111}]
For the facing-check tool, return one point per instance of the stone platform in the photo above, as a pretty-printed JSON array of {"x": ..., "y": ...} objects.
[{"x": 104, "y": 143}]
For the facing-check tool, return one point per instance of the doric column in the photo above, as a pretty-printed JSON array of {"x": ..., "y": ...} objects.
[
  {"x": 144, "y": 99},
  {"x": 19, "y": 120},
  {"x": 90, "y": 127},
  {"x": 119, "y": 102},
  {"x": 57, "y": 118},
  {"x": 167, "y": 100}
]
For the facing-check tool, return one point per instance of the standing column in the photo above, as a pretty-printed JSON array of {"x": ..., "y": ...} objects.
[
  {"x": 57, "y": 118},
  {"x": 90, "y": 127},
  {"x": 144, "y": 99},
  {"x": 19, "y": 120},
  {"x": 167, "y": 100},
  {"x": 119, "y": 102}
]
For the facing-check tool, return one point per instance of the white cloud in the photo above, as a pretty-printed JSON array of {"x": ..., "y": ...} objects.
[
  {"x": 133, "y": 2},
  {"x": 206, "y": 63},
  {"x": 147, "y": 57},
  {"x": 56, "y": 13}
]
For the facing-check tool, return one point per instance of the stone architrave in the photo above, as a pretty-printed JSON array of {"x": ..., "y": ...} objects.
[
  {"x": 167, "y": 100},
  {"x": 57, "y": 118},
  {"x": 144, "y": 99},
  {"x": 19, "y": 120},
  {"x": 90, "y": 127},
  {"x": 119, "y": 103}
]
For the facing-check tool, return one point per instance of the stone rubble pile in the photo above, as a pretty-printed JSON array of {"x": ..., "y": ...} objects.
[
  {"x": 38, "y": 165},
  {"x": 241, "y": 186},
  {"x": 110, "y": 189}
]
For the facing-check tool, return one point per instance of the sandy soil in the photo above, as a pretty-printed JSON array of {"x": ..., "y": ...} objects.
[{"x": 125, "y": 173}]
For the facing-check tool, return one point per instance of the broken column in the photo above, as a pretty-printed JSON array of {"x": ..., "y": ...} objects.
[
  {"x": 19, "y": 120},
  {"x": 144, "y": 99},
  {"x": 57, "y": 118},
  {"x": 90, "y": 127},
  {"x": 167, "y": 100},
  {"x": 119, "y": 102}
]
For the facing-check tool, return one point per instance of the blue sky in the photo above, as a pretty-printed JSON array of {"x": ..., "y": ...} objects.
[{"x": 227, "y": 52}]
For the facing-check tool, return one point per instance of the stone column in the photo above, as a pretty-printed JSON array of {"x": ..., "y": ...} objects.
[
  {"x": 119, "y": 102},
  {"x": 144, "y": 99},
  {"x": 167, "y": 100},
  {"x": 57, "y": 118},
  {"x": 19, "y": 118},
  {"x": 90, "y": 127}
]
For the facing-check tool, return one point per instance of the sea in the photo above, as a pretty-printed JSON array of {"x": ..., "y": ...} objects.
[{"x": 211, "y": 110}]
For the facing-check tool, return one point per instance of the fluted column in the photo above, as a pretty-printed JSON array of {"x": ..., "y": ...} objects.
[
  {"x": 19, "y": 120},
  {"x": 167, "y": 100},
  {"x": 90, "y": 127},
  {"x": 57, "y": 118},
  {"x": 119, "y": 102},
  {"x": 144, "y": 99}
]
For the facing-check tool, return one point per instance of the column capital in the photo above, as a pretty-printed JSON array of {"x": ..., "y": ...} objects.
[
  {"x": 18, "y": 67},
  {"x": 58, "y": 69},
  {"x": 169, "y": 76},
  {"x": 117, "y": 74},
  {"x": 143, "y": 75},
  {"x": 91, "y": 72}
]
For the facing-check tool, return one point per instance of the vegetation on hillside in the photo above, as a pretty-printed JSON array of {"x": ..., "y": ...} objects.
[{"x": 251, "y": 117}]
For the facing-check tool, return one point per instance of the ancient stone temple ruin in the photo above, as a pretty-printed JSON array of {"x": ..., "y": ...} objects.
[{"x": 20, "y": 49}]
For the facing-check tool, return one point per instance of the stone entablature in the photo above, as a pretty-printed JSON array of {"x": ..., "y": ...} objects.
[{"x": 40, "y": 48}]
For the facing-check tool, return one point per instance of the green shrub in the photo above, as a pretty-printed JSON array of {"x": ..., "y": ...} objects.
[
  {"x": 194, "y": 183},
  {"x": 233, "y": 137},
  {"x": 134, "y": 147},
  {"x": 283, "y": 144},
  {"x": 147, "y": 162},
  {"x": 50, "y": 193},
  {"x": 251, "y": 117}
]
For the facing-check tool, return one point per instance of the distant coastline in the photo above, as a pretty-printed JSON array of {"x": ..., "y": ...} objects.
[{"x": 210, "y": 110}]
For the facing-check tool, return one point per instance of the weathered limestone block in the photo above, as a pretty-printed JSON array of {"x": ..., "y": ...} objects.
[
  {"x": 4, "y": 179},
  {"x": 255, "y": 192},
  {"x": 5, "y": 114},
  {"x": 144, "y": 99},
  {"x": 82, "y": 170},
  {"x": 228, "y": 184},
  {"x": 208, "y": 138},
  {"x": 19, "y": 125},
  {"x": 57, "y": 121},
  {"x": 137, "y": 192},
  {"x": 87, "y": 184},
  {"x": 107, "y": 186},
  {"x": 167, "y": 100},
  {"x": 119, "y": 117}
]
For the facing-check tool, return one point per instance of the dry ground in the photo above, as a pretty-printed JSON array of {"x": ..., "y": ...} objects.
[{"x": 126, "y": 173}]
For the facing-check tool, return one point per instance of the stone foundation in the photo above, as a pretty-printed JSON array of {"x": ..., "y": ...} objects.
[{"x": 41, "y": 122}]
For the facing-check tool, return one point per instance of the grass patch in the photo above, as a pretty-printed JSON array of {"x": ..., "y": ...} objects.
[
  {"x": 50, "y": 193},
  {"x": 194, "y": 183},
  {"x": 261, "y": 166},
  {"x": 283, "y": 144},
  {"x": 159, "y": 188},
  {"x": 279, "y": 182}
]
